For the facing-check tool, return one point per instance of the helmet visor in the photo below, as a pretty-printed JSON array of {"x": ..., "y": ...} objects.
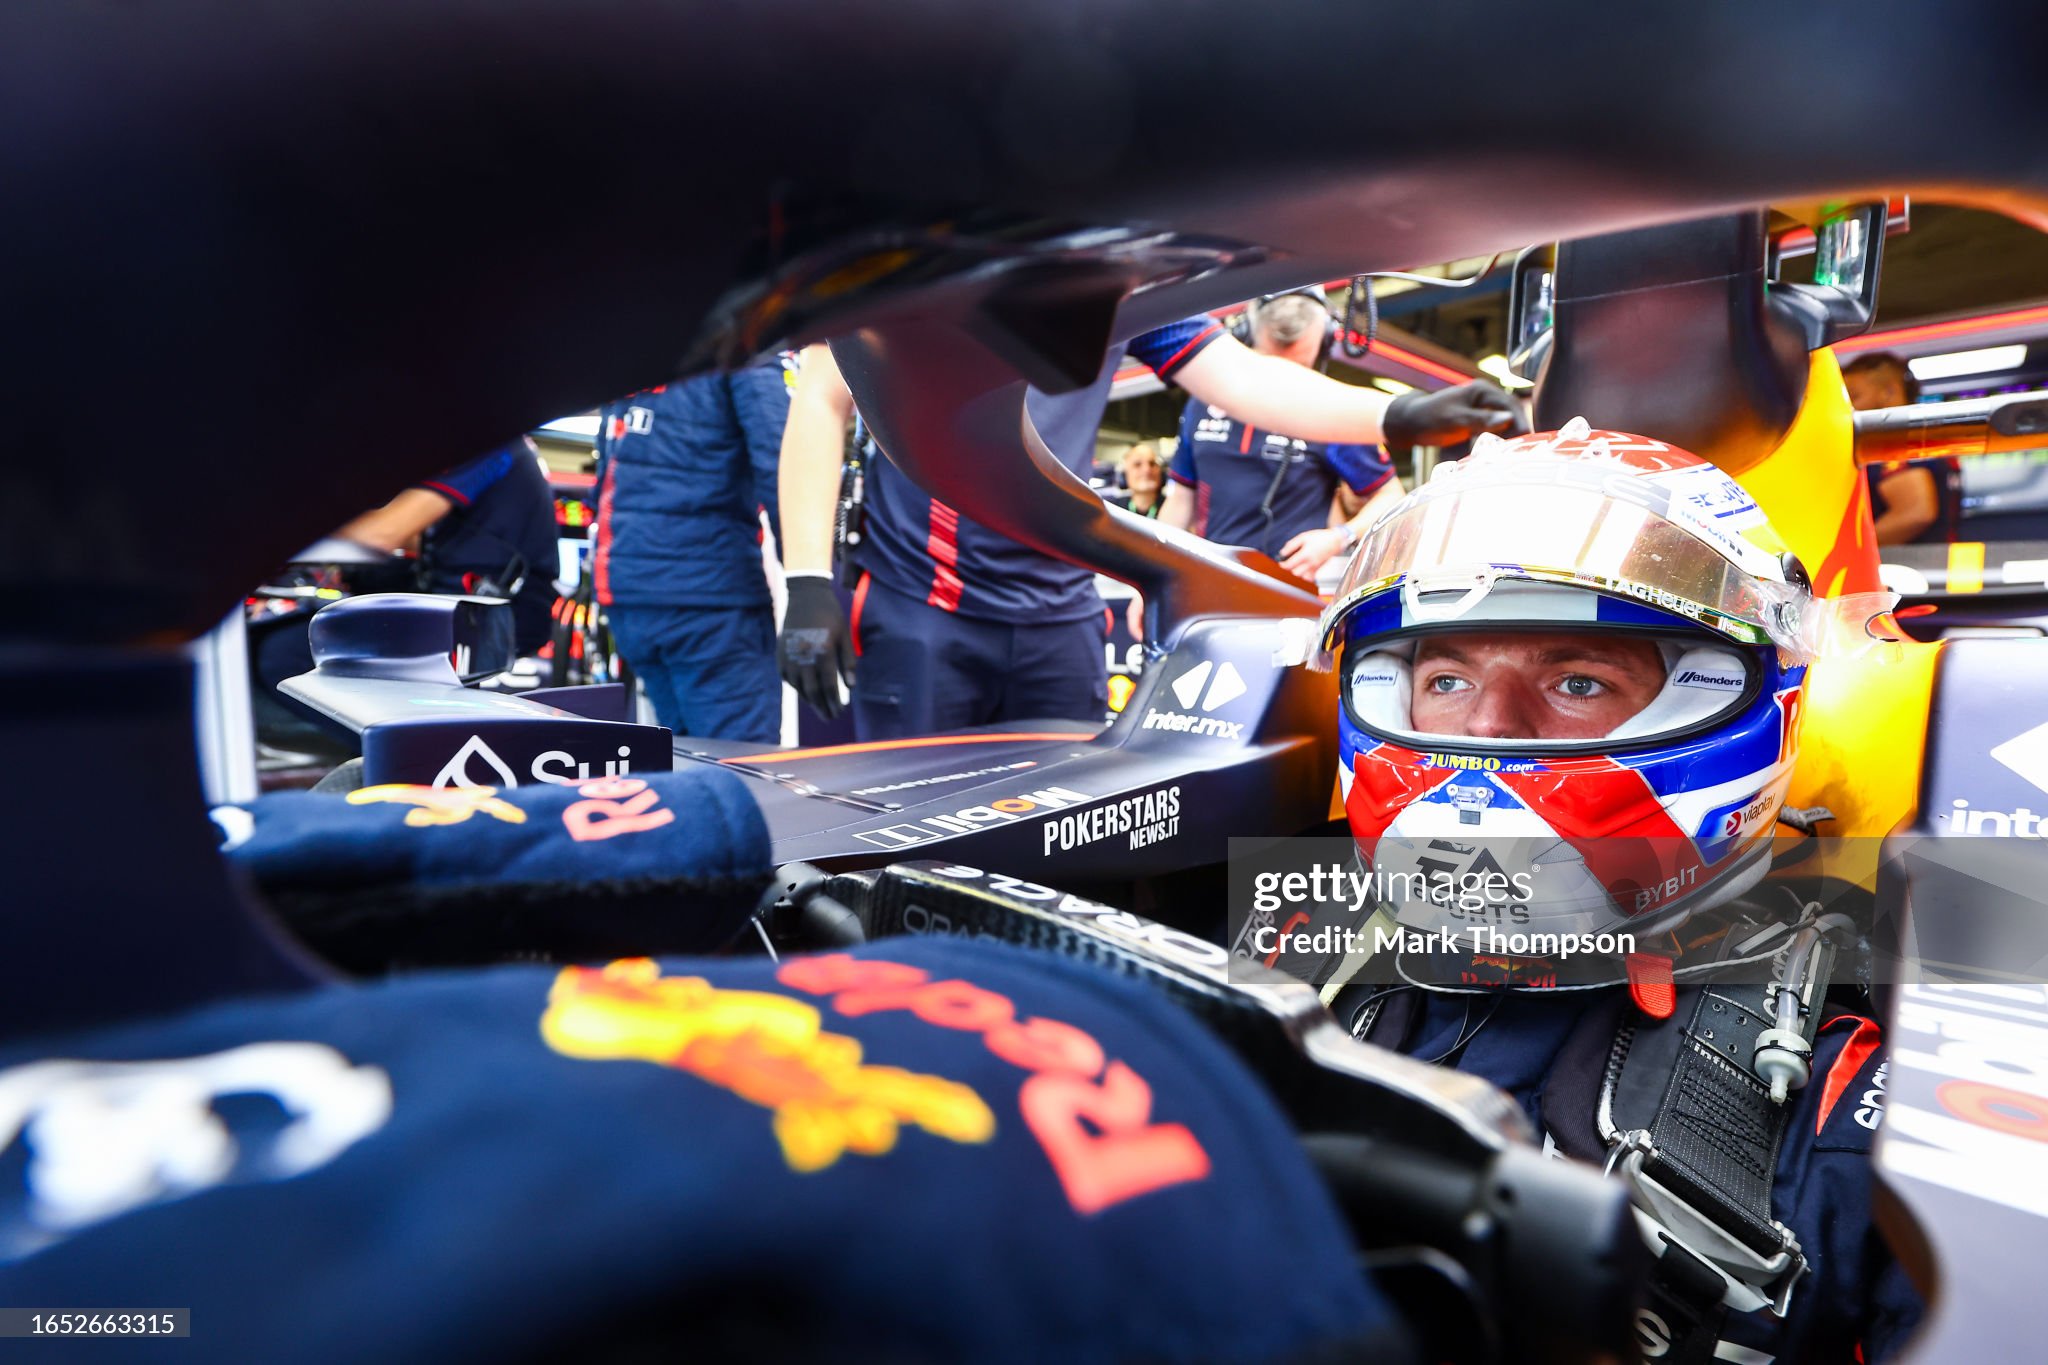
[
  {"x": 1688, "y": 541},
  {"x": 1521, "y": 689}
]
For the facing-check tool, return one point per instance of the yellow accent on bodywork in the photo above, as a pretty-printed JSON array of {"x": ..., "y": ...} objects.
[
  {"x": 1966, "y": 566},
  {"x": 1861, "y": 746},
  {"x": 1810, "y": 487},
  {"x": 1863, "y": 725}
]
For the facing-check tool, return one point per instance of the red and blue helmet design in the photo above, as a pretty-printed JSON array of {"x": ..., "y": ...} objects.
[{"x": 1592, "y": 533}]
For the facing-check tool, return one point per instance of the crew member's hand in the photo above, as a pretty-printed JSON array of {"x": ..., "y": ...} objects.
[
  {"x": 815, "y": 649},
  {"x": 1451, "y": 415},
  {"x": 1310, "y": 550},
  {"x": 1134, "y": 617}
]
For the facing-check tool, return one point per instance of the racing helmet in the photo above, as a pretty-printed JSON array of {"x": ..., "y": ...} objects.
[{"x": 1655, "y": 795}]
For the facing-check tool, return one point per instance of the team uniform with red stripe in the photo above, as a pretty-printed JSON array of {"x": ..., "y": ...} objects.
[
  {"x": 686, "y": 471},
  {"x": 958, "y": 625},
  {"x": 500, "y": 529},
  {"x": 1242, "y": 495}
]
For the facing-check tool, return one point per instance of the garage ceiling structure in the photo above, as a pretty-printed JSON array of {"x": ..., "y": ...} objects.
[{"x": 1952, "y": 261}]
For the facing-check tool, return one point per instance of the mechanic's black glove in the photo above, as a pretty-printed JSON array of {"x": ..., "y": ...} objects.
[
  {"x": 815, "y": 648},
  {"x": 1451, "y": 415}
]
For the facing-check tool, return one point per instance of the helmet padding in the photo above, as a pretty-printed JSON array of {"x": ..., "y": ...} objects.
[{"x": 1699, "y": 681}]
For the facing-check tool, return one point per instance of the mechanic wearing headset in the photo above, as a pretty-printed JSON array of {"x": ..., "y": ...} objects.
[
  {"x": 955, "y": 625},
  {"x": 1238, "y": 485},
  {"x": 686, "y": 471},
  {"x": 1510, "y": 700},
  {"x": 485, "y": 527}
]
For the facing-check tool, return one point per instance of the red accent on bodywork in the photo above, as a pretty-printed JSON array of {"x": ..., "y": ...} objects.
[
  {"x": 1848, "y": 1063},
  {"x": 1851, "y": 563}
]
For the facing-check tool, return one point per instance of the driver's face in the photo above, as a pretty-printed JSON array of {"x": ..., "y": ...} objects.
[{"x": 1550, "y": 685}]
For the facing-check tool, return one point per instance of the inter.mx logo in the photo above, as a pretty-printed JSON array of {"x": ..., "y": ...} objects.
[
  {"x": 2027, "y": 756},
  {"x": 1208, "y": 686}
]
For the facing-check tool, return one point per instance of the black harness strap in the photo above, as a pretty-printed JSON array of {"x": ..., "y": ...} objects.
[
  {"x": 1716, "y": 1135},
  {"x": 1682, "y": 1103}
]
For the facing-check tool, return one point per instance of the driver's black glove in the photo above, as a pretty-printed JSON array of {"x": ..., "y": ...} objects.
[
  {"x": 1451, "y": 415},
  {"x": 815, "y": 648}
]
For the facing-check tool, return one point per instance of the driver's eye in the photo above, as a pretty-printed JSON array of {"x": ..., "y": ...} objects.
[
  {"x": 1446, "y": 682},
  {"x": 1579, "y": 685}
]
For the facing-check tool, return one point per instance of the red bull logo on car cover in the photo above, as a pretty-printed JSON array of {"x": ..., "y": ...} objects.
[
  {"x": 768, "y": 1049},
  {"x": 611, "y": 806},
  {"x": 1089, "y": 1113}
]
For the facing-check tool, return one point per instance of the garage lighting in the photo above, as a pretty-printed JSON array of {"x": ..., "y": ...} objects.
[
  {"x": 1955, "y": 363},
  {"x": 583, "y": 424},
  {"x": 1497, "y": 367},
  {"x": 1393, "y": 386}
]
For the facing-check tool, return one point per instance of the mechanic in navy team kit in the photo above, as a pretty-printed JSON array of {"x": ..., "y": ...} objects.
[
  {"x": 1510, "y": 700},
  {"x": 954, "y": 625},
  {"x": 486, "y": 527},
  {"x": 685, "y": 472},
  {"x": 1910, "y": 500},
  {"x": 1237, "y": 484}
]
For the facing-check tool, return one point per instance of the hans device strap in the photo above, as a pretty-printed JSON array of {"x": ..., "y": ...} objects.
[{"x": 1695, "y": 1130}]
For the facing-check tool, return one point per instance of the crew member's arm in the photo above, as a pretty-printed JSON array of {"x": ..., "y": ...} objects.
[
  {"x": 1911, "y": 505},
  {"x": 1177, "y": 489},
  {"x": 1178, "y": 510},
  {"x": 398, "y": 524},
  {"x": 814, "y": 650},
  {"x": 1279, "y": 395},
  {"x": 760, "y": 400},
  {"x": 1267, "y": 391},
  {"x": 812, "y": 455},
  {"x": 1362, "y": 471}
]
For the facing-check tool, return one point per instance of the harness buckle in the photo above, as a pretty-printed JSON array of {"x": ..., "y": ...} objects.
[{"x": 1751, "y": 1282}]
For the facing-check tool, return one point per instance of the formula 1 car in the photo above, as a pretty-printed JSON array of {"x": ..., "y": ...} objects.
[{"x": 976, "y": 304}]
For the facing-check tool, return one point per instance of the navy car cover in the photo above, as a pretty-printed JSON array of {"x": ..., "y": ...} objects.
[
  {"x": 400, "y": 875},
  {"x": 929, "y": 1150}
]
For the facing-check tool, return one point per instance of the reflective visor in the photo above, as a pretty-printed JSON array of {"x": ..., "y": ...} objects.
[{"x": 1687, "y": 540}]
